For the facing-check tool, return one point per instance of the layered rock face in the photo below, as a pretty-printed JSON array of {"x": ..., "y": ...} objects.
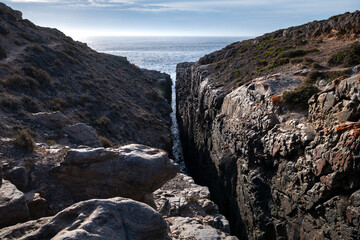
[
  {"x": 272, "y": 174},
  {"x": 276, "y": 171}
]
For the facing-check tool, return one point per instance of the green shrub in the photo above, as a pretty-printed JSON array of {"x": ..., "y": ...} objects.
[
  {"x": 300, "y": 95},
  {"x": 236, "y": 73},
  {"x": 24, "y": 140},
  {"x": 347, "y": 57}
]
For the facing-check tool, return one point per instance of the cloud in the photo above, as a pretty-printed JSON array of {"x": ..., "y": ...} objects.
[
  {"x": 228, "y": 6},
  {"x": 34, "y": 1}
]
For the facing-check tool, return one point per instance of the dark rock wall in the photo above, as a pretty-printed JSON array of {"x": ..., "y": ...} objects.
[{"x": 274, "y": 173}]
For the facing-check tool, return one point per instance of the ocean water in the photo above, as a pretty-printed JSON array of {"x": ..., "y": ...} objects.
[{"x": 162, "y": 54}]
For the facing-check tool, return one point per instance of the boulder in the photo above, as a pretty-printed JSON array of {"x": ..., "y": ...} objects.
[
  {"x": 83, "y": 134},
  {"x": 51, "y": 119},
  {"x": 116, "y": 218},
  {"x": 338, "y": 103},
  {"x": 13, "y": 208},
  {"x": 129, "y": 171}
]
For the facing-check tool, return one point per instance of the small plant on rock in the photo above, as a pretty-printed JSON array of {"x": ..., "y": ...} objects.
[{"x": 24, "y": 140}]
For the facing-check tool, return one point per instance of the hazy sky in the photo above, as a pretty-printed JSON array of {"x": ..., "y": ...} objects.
[{"x": 80, "y": 18}]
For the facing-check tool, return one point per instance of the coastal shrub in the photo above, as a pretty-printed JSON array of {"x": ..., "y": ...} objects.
[
  {"x": 10, "y": 103},
  {"x": 236, "y": 73},
  {"x": 43, "y": 77},
  {"x": 30, "y": 104},
  {"x": 57, "y": 104},
  {"x": 39, "y": 74},
  {"x": 24, "y": 140},
  {"x": 103, "y": 122},
  {"x": 347, "y": 57},
  {"x": 329, "y": 76},
  {"x": 298, "y": 52},
  {"x": 85, "y": 98},
  {"x": 282, "y": 61},
  {"x": 17, "y": 81},
  {"x": 105, "y": 142},
  {"x": 262, "y": 63},
  {"x": 300, "y": 95},
  {"x": 2, "y": 53},
  {"x": 296, "y": 60}
]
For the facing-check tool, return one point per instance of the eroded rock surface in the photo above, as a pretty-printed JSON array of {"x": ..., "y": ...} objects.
[
  {"x": 275, "y": 173},
  {"x": 115, "y": 218},
  {"x": 189, "y": 211},
  {"x": 130, "y": 171}
]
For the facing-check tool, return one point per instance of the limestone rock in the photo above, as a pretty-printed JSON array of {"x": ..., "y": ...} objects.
[
  {"x": 129, "y": 171},
  {"x": 189, "y": 211},
  {"x": 336, "y": 104},
  {"x": 276, "y": 174},
  {"x": 51, "y": 119},
  {"x": 13, "y": 208},
  {"x": 83, "y": 134},
  {"x": 116, "y": 218}
]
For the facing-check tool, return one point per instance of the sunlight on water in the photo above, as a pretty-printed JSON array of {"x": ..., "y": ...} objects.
[{"x": 162, "y": 54}]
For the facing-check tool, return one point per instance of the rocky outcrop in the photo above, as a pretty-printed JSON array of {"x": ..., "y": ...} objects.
[
  {"x": 272, "y": 174},
  {"x": 339, "y": 102},
  {"x": 130, "y": 171},
  {"x": 189, "y": 211},
  {"x": 116, "y": 218},
  {"x": 51, "y": 119},
  {"x": 83, "y": 134},
  {"x": 13, "y": 208}
]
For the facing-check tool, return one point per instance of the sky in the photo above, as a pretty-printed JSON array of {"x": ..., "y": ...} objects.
[{"x": 84, "y": 18}]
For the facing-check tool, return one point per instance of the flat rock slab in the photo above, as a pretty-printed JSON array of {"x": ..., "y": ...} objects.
[
  {"x": 116, "y": 218},
  {"x": 83, "y": 134},
  {"x": 131, "y": 171}
]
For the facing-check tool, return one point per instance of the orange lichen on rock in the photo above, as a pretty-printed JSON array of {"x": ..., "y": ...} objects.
[
  {"x": 225, "y": 146},
  {"x": 275, "y": 100},
  {"x": 348, "y": 126},
  {"x": 358, "y": 78},
  {"x": 326, "y": 130}
]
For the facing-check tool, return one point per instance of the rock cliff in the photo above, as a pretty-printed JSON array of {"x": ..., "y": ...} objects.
[{"x": 271, "y": 126}]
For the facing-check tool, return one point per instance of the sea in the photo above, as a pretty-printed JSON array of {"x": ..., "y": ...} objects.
[{"x": 162, "y": 54}]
